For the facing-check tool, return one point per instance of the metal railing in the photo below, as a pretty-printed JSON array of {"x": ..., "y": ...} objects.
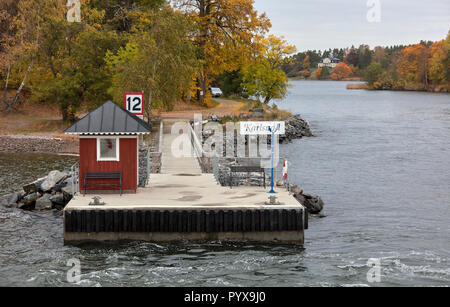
[
  {"x": 161, "y": 132},
  {"x": 149, "y": 167},
  {"x": 198, "y": 151},
  {"x": 75, "y": 174},
  {"x": 221, "y": 167}
]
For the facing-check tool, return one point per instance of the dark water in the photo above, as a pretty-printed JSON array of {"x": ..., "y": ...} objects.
[{"x": 381, "y": 162}]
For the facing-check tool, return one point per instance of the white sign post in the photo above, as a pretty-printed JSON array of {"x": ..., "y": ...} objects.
[
  {"x": 134, "y": 103},
  {"x": 265, "y": 128}
]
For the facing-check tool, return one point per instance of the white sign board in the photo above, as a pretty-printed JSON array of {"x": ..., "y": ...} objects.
[
  {"x": 262, "y": 128},
  {"x": 134, "y": 103}
]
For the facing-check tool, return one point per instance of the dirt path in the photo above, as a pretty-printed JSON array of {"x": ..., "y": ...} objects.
[{"x": 225, "y": 107}]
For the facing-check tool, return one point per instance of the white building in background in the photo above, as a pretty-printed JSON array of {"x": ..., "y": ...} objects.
[{"x": 330, "y": 62}]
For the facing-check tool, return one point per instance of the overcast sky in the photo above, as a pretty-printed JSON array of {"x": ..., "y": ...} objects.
[{"x": 323, "y": 24}]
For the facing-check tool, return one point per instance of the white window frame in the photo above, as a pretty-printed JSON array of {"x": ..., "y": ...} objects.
[{"x": 117, "y": 158}]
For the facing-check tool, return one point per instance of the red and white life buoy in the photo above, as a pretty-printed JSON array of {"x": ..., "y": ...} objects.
[{"x": 285, "y": 170}]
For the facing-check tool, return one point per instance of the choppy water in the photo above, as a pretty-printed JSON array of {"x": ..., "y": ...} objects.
[{"x": 381, "y": 162}]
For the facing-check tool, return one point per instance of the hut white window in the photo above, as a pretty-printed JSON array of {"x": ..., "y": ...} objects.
[{"x": 107, "y": 149}]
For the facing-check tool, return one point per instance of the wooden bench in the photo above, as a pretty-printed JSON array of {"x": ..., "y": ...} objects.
[
  {"x": 248, "y": 170},
  {"x": 99, "y": 176}
]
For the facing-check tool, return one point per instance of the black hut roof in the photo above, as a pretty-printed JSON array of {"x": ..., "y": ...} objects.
[{"x": 107, "y": 119}]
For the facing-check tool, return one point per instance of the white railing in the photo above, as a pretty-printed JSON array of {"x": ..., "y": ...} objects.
[
  {"x": 197, "y": 148},
  {"x": 161, "y": 132}
]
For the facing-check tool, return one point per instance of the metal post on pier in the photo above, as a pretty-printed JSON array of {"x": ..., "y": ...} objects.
[{"x": 272, "y": 191}]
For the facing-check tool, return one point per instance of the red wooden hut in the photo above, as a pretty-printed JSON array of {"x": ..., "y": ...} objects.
[{"x": 109, "y": 149}]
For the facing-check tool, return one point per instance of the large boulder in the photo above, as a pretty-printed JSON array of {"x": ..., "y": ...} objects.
[
  {"x": 29, "y": 201},
  {"x": 52, "y": 179},
  {"x": 58, "y": 199},
  {"x": 10, "y": 200},
  {"x": 33, "y": 186},
  {"x": 313, "y": 204},
  {"x": 14, "y": 198},
  {"x": 44, "y": 203},
  {"x": 59, "y": 186},
  {"x": 67, "y": 196},
  {"x": 67, "y": 189}
]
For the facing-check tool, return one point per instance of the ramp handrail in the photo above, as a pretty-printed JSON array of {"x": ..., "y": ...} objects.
[{"x": 75, "y": 174}]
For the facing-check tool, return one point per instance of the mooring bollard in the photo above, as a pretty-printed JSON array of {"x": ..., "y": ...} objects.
[{"x": 96, "y": 201}]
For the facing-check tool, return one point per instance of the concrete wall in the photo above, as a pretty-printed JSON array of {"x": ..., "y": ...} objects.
[{"x": 294, "y": 237}]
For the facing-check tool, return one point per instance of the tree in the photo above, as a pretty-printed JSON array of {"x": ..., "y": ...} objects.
[
  {"x": 263, "y": 81},
  {"x": 352, "y": 57},
  {"x": 319, "y": 73},
  {"x": 230, "y": 83},
  {"x": 305, "y": 73},
  {"x": 323, "y": 73},
  {"x": 412, "y": 64},
  {"x": 228, "y": 33},
  {"x": 23, "y": 36},
  {"x": 306, "y": 63},
  {"x": 373, "y": 72},
  {"x": 341, "y": 71},
  {"x": 438, "y": 63},
  {"x": 123, "y": 15},
  {"x": 160, "y": 62},
  {"x": 75, "y": 72},
  {"x": 265, "y": 78},
  {"x": 364, "y": 57},
  {"x": 8, "y": 11}
]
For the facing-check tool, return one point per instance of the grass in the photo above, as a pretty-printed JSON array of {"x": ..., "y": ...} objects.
[
  {"x": 276, "y": 114},
  {"x": 215, "y": 103},
  {"x": 42, "y": 125},
  {"x": 184, "y": 106},
  {"x": 249, "y": 104}
]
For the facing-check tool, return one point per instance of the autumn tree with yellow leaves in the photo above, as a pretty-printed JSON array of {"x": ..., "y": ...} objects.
[
  {"x": 264, "y": 76},
  {"x": 228, "y": 34}
]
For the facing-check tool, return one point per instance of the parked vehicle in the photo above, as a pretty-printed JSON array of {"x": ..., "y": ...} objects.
[{"x": 216, "y": 92}]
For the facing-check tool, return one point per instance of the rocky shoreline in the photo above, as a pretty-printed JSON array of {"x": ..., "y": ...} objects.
[
  {"x": 36, "y": 144},
  {"x": 51, "y": 192},
  {"x": 296, "y": 128}
]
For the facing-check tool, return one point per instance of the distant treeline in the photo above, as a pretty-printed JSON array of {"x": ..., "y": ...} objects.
[{"x": 423, "y": 66}]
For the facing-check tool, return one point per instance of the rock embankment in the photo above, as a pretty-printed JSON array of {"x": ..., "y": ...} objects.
[
  {"x": 30, "y": 144},
  {"x": 51, "y": 192},
  {"x": 296, "y": 128}
]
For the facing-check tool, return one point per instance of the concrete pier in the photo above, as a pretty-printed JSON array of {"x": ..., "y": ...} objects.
[
  {"x": 175, "y": 165},
  {"x": 184, "y": 204}
]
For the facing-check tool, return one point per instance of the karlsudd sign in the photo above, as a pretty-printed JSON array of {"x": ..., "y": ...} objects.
[
  {"x": 262, "y": 128},
  {"x": 266, "y": 128}
]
